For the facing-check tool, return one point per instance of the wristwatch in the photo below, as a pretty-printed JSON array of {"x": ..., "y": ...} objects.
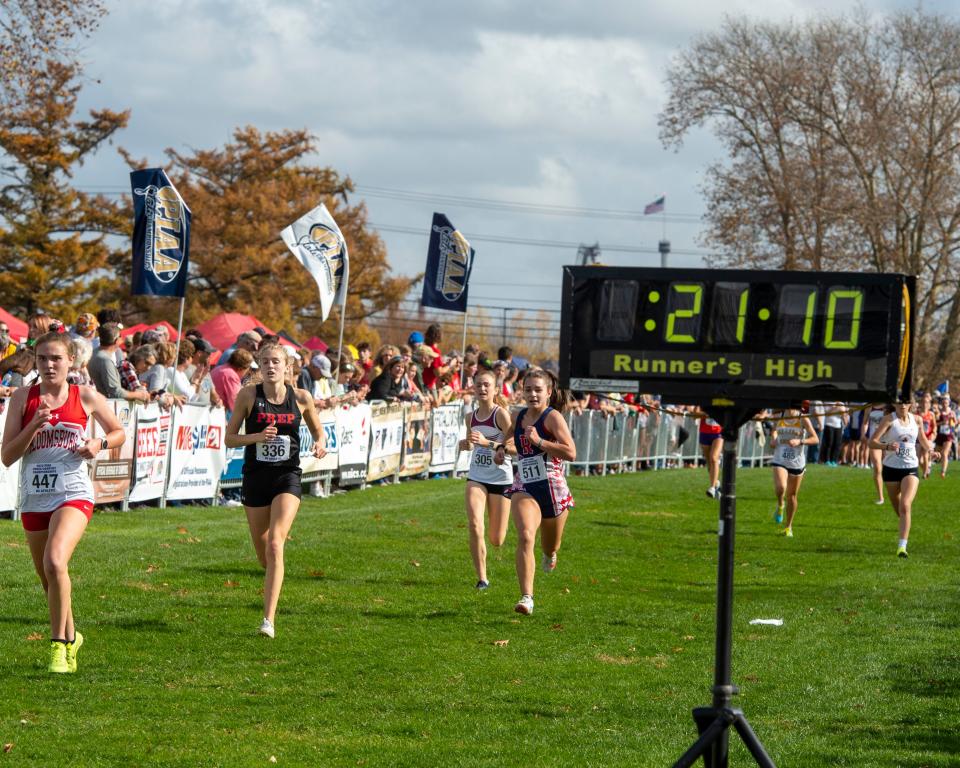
[{"x": 103, "y": 443}]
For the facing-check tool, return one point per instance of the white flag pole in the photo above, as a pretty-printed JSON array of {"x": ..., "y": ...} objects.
[
  {"x": 343, "y": 316},
  {"x": 463, "y": 345},
  {"x": 176, "y": 355}
]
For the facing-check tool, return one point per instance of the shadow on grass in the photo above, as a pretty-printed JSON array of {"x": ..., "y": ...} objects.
[
  {"x": 18, "y": 620},
  {"x": 930, "y": 678},
  {"x": 907, "y": 735},
  {"x": 151, "y": 625}
]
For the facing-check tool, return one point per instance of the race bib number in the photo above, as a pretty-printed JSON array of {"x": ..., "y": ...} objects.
[
  {"x": 532, "y": 469},
  {"x": 945, "y": 429},
  {"x": 789, "y": 454},
  {"x": 482, "y": 457},
  {"x": 905, "y": 450},
  {"x": 44, "y": 479},
  {"x": 274, "y": 450}
]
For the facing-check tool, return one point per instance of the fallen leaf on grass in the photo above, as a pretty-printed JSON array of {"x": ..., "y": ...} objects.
[
  {"x": 557, "y": 627},
  {"x": 8, "y": 747},
  {"x": 566, "y": 590},
  {"x": 606, "y": 659},
  {"x": 193, "y": 540},
  {"x": 273, "y": 759},
  {"x": 689, "y": 637},
  {"x": 316, "y": 574},
  {"x": 415, "y": 563},
  {"x": 24, "y": 722},
  {"x": 35, "y": 636},
  {"x": 13, "y": 544},
  {"x": 677, "y": 649},
  {"x": 152, "y": 568},
  {"x": 501, "y": 643},
  {"x": 229, "y": 583},
  {"x": 164, "y": 545},
  {"x": 181, "y": 529}
]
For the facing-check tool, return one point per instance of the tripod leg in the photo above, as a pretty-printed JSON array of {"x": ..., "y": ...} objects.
[
  {"x": 752, "y": 742},
  {"x": 699, "y": 749}
]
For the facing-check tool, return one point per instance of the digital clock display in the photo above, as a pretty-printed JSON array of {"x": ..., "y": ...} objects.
[{"x": 768, "y": 336}]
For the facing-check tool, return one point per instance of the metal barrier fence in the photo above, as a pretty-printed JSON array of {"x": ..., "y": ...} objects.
[{"x": 621, "y": 441}]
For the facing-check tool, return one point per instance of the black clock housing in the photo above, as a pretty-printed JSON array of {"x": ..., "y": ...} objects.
[{"x": 764, "y": 337}]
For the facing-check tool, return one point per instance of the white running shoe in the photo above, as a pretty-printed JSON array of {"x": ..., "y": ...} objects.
[
  {"x": 266, "y": 628},
  {"x": 712, "y": 492},
  {"x": 549, "y": 563},
  {"x": 524, "y": 605}
]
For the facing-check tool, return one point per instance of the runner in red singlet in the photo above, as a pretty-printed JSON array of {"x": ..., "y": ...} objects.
[{"x": 47, "y": 428}]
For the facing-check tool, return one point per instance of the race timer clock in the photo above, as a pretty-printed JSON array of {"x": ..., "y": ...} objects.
[{"x": 757, "y": 336}]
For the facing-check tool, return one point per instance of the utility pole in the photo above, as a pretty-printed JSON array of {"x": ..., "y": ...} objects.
[
  {"x": 664, "y": 247},
  {"x": 588, "y": 254}
]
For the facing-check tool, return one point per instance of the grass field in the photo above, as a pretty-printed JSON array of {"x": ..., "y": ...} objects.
[{"x": 385, "y": 655}]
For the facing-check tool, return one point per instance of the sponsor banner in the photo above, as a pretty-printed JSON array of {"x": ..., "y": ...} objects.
[
  {"x": 110, "y": 470},
  {"x": 449, "y": 261},
  {"x": 316, "y": 241},
  {"x": 197, "y": 452},
  {"x": 386, "y": 443},
  {"x": 416, "y": 441},
  {"x": 161, "y": 235},
  {"x": 445, "y": 436},
  {"x": 328, "y": 423},
  {"x": 353, "y": 433},
  {"x": 328, "y": 426},
  {"x": 9, "y": 476},
  {"x": 152, "y": 448},
  {"x": 463, "y": 457}
]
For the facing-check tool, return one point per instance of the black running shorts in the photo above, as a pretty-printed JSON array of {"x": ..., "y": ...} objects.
[{"x": 260, "y": 488}]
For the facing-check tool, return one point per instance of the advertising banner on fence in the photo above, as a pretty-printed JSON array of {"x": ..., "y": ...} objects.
[
  {"x": 9, "y": 476},
  {"x": 386, "y": 444},
  {"x": 111, "y": 470},
  {"x": 416, "y": 441},
  {"x": 463, "y": 457},
  {"x": 328, "y": 423},
  {"x": 446, "y": 434},
  {"x": 353, "y": 430},
  {"x": 197, "y": 452},
  {"x": 152, "y": 448}
]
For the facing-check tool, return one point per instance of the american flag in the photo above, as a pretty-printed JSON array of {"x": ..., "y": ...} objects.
[{"x": 656, "y": 206}]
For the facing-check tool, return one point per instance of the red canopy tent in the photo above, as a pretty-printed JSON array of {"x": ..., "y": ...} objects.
[
  {"x": 222, "y": 330},
  {"x": 18, "y": 328},
  {"x": 316, "y": 344},
  {"x": 147, "y": 326}
]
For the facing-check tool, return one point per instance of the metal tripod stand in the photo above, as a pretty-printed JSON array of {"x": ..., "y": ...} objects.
[{"x": 714, "y": 722}]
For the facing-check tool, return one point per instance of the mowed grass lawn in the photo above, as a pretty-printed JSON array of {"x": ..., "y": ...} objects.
[{"x": 386, "y": 656}]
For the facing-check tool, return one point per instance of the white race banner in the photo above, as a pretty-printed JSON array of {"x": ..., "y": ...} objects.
[
  {"x": 446, "y": 434},
  {"x": 463, "y": 457},
  {"x": 328, "y": 429},
  {"x": 197, "y": 452},
  {"x": 386, "y": 442},
  {"x": 9, "y": 476},
  {"x": 317, "y": 242},
  {"x": 152, "y": 449},
  {"x": 353, "y": 431}
]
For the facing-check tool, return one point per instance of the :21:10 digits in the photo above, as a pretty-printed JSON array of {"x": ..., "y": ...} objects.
[{"x": 797, "y": 315}]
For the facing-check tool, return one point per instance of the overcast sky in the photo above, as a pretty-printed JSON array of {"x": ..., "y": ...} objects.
[{"x": 547, "y": 103}]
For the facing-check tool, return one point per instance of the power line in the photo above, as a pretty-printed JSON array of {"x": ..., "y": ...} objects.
[
  {"x": 513, "y": 206},
  {"x": 532, "y": 242}
]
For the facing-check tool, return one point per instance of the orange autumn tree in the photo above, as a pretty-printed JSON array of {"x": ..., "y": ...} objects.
[
  {"x": 242, "y": 195},
  {"x": 54, "y": 252}
]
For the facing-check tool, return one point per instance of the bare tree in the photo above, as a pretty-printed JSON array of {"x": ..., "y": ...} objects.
[{"x": 841, "y": 137}]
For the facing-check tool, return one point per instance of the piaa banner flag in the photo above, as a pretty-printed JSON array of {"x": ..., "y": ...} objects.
[
  {"x": 656, "y": 206},
  {"x": 449, "y": 261},
  {"x": 317, "y": 242},
  {"x": 161, "y": 235}
]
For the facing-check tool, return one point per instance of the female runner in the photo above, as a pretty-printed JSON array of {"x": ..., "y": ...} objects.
[
  {"x": 903, "y": 431},
  {"x": 487, "y": 482},
  {"x": 946, "y": 431},
  {"x": 928, "y": 422},
  {"x": 711, "y": 446},
  {"x": 46, "y": 427},
  {"x": 874, "y": 456},
  {"x": 791, "y": 433},
  {"x": 271, "y": 412},
  {"x": 539, "y": 497}
]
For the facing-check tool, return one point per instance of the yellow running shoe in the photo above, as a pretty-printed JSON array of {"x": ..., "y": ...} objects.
[
  {"x": 788, "y": 532},
  {"x": 902, "y": 552},
  {"x": 58, "y": 657},
  {"x": 72, "y": 649}
]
